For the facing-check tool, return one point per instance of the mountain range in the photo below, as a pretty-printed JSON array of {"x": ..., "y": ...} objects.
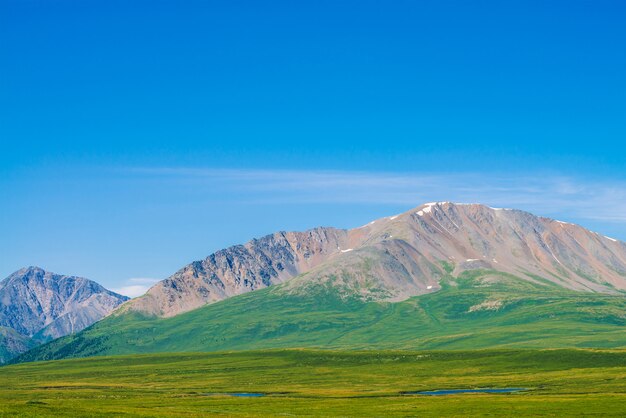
[{"x": 441, "y": 275}]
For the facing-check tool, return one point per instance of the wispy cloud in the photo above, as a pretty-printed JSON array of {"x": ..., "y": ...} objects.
[
  {"x": 135, "y": 287},
  {"x": 545, "y": 193}
]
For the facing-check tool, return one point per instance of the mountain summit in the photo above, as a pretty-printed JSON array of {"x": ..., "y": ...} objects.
[{"x": 401, "y": 256}]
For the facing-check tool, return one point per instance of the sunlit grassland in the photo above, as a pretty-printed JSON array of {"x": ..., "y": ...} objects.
[{"x": 308, "y": 382}]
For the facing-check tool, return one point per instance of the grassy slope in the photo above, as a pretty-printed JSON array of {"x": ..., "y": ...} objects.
[
  {"x": 304, "y": 382},
  {"x": 532, "y": 316}
]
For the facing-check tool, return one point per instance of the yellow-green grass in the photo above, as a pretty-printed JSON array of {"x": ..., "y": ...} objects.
[{"x": 309, "y": 382}]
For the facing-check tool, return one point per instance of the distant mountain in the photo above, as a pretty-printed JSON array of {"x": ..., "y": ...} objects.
[
  {"x": 37, "y": 306},
  {"x": 441, "y": 275},
  {"x": 401, "y": 256}
]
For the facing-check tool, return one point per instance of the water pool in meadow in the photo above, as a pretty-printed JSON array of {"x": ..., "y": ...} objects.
[
  {"x": 238, "y": 394},
  {"x": 461, "y": 391}
]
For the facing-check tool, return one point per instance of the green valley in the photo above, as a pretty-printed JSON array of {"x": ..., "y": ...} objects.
[{"x": 308, "y": 382}]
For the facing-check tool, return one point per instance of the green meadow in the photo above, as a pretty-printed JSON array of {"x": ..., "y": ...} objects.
[
  {"x": 565, "y": 382},
  {"x": 564, "y": 348}
]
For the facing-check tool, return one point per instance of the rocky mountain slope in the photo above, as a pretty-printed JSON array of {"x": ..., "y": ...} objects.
[
  {"x": 242, "y": 268},
  {"x": 37, "y": 306},
  {"x": 400, "y": 256}
]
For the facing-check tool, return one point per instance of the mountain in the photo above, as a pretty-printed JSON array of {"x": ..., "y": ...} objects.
[
  {"x": 37, "y": 306},
  {"x": 441, "y": 275},
  {"x": 401, "y": 256}
]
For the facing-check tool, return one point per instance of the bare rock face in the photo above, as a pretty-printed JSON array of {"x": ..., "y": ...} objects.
[
  {"x": 37, "y": 303},
  {"x": 400, "y": 256},
  {"x": 242, "y": 268}
]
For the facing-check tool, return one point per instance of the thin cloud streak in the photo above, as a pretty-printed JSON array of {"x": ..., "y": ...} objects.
[{"x": 545, "y": 194}]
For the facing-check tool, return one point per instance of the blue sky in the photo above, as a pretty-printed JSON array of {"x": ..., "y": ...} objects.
[{"x": 138, "y": 136}]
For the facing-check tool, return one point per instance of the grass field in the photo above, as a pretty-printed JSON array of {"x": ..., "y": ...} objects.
[{"x": 307, "y": 382}]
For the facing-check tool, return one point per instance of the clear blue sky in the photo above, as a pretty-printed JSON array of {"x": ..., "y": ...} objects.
[{"x": 137, "y": 136}]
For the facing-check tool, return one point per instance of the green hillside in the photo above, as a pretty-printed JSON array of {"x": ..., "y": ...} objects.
[
  {"x": 556, "y": 383},
  {"x": 480, "y": 309}
]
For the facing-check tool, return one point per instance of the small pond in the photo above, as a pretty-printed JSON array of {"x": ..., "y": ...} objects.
[
  {"x": 457, "y": 391},
  {"x": 237, "y": 394}
]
